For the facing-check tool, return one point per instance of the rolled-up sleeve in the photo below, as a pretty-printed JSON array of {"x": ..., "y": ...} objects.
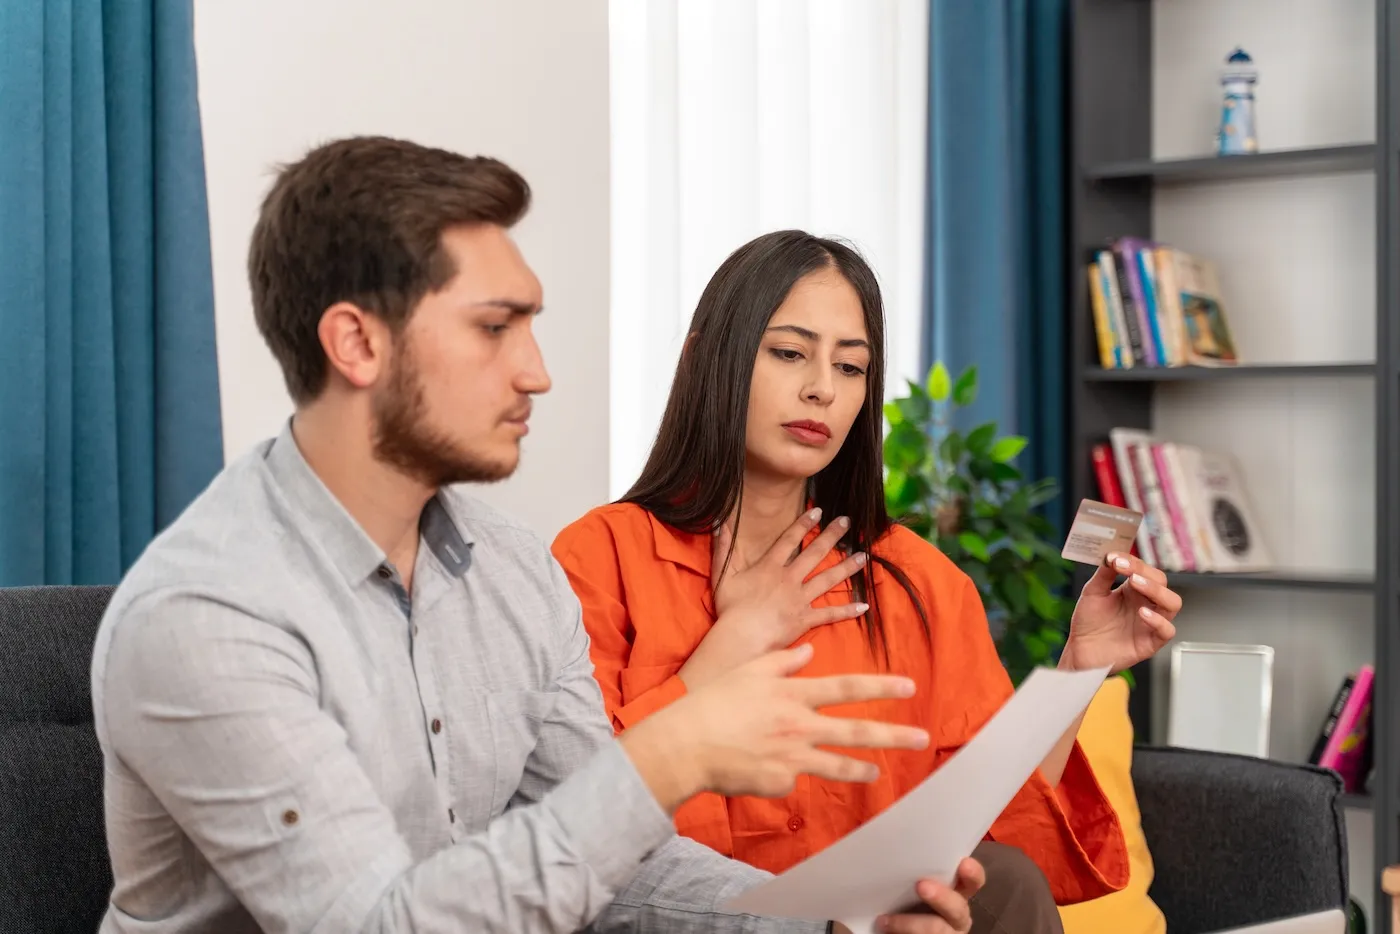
[{"x": 218, "y": 713}]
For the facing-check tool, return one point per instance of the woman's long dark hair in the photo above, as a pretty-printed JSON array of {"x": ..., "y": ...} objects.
[{"x": 694, "y": 476}]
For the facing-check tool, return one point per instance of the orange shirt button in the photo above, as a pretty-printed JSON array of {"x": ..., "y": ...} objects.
[{"x": 795, "y": 824}]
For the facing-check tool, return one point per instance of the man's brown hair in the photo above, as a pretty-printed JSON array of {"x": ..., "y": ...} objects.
[{"x": 360, "y": 220}]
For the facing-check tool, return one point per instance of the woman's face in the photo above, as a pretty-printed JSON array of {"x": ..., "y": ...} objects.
[{"x": 809, "y": 381}]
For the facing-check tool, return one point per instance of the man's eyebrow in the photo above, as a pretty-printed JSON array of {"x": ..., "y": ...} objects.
[
  {"x": 511, "y": 305},
  {"x": 814, "y": 336}
]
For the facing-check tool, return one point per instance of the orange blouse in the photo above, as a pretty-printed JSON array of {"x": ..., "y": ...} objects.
[{"x": 645, "y": 591}]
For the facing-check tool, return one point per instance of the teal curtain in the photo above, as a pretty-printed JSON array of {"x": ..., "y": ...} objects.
[
  {"x": 109, "y": 396},
  {"x": 995, "y": 260}
]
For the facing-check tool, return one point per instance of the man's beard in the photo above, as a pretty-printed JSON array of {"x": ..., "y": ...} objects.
[{"x": 403, "y": 439}]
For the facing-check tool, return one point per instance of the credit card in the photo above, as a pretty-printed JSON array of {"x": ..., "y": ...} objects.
[{"x": 1100, "y": 529}]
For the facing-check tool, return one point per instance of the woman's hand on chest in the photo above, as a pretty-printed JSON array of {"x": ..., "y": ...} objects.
[{"x": 766, "y": 604}]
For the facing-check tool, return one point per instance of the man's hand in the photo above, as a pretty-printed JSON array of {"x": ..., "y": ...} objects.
[
  {"x": 754, "y": 730},
  {"x": 1118, "y": 627},
  {"x": 949, "y": 911},
  {"x": 766, "y": 604}
]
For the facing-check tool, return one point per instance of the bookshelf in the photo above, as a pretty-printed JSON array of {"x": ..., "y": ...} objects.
[{"x": 1301, "y": 234}]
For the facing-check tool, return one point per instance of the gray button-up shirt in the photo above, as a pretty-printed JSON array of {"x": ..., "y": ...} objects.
[{"x": 294, "y": 743}]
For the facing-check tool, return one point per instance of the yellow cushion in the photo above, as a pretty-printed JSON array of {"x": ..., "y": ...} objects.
[{"x": 1106, "y": 737}]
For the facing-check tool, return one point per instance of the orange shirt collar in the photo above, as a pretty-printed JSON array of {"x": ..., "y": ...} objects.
[{"x": 688, "y": 549}]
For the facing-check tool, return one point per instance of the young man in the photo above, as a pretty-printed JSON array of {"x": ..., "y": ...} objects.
[{"x": 339, "y": 695}]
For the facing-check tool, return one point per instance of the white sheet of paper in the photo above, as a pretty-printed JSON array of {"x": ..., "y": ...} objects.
[
  {"x": 1322, "y": 922},
  {"x": 925, "y": 834}
]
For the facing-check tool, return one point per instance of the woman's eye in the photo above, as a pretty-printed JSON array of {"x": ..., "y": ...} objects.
[
  {"x": 850, "y": 369},
  {"x": 786, "y": 353}
]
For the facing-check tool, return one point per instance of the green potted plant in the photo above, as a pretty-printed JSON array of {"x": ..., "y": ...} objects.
[{"x": 962, "y": 491}]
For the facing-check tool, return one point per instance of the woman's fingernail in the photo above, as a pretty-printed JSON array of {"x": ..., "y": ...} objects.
[
  {"x": 860, "y": 559},
  {"x": 862, "y": 607},
  {"x": 815, "y": 514},
  {"x": 1139, "y": 580},
  {"x": 843, "y": 522},
  {"x": 1121, "y": 564},
  {"x": 1145, "y": 613}
]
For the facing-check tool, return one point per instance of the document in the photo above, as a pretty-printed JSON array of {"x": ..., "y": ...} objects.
[
  {"x": 925, "y": 834},
  {"x": 1322, "y": 922}
]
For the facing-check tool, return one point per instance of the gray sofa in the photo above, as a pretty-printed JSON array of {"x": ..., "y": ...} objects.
[{"x": 1199, "y": 810}]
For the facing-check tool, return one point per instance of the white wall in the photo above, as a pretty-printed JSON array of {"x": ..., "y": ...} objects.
[
  {"x": 523, "y": 80},
  {"x": 1296, "y": 258}
]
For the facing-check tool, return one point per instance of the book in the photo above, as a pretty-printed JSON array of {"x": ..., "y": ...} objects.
[
  {"x": 1329, "y": 722},
  {"x": 1197, "y": 513},
  {"x": 1154, "y": 304},
  {"x": 1345, "y": 749}
]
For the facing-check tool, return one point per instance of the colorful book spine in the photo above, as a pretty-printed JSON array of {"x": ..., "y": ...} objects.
[
  {"x": 1176, "y": 511},
  {"x": 1345, "y": 749},
  {"x": 1128, "y": 256}
]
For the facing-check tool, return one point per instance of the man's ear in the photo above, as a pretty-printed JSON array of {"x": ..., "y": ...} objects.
[{"x": 356, "y": 343}]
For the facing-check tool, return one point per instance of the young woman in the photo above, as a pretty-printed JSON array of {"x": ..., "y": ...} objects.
[{"x": 718, "y": 554}]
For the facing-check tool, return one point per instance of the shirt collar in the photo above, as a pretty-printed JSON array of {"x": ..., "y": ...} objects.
[
  {"x": 692, "y": 550},
  {"x": 337, "y": 532},
  {"x": 688, "y": 549}
]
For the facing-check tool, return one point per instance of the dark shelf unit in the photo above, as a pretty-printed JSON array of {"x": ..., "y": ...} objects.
[
  {"x": 1283, "y": 580},
  {"x": 1356, "y": 158},
  {"x": 1113, "y": 177},
  {"x": 1183, "y": 374}
]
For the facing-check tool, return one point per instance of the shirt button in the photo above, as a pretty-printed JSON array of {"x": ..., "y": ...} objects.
[
  {"x": 437, "y": 725},
  {"x": 290, "y": 817},
  {"x": 384, "y": 573},
  {"x": 795, "y": 824}
]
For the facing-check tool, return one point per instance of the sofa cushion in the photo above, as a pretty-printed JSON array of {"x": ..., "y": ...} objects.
[
  {"x": 1106, "y": 737},
  {"x": 55, "y": 875}
]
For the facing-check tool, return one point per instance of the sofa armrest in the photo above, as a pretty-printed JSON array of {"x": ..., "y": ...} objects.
[{"x": 1237, "y": 840}]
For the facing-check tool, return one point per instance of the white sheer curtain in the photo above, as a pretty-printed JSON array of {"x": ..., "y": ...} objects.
[{"x": 731, "y": 118}]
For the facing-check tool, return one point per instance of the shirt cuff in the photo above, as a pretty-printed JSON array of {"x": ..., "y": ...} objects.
[{"x": 629, "y": 715}]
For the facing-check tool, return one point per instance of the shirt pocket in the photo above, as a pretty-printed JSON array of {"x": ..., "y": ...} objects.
[{"x": 516, "y": 718}]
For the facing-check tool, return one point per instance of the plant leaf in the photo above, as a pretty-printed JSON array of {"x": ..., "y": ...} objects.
[
  {"x": 1007, "y": 448},
  {"x": 914, "y": 409},
  {"x": 939, "y": 384},
  {"x": 974, "y": 545},
  {"x": 1041, "y": 492},
  {"x": 892, "y": 414},
  {"x": 979, "y": 440},
  {"x": 1001, "y": 473},
  {"x": 965, "y": 389},
  {"x": 952, "y": 448},
  {"x": 896, "y": 487},
  {"x": 1014, "y": 591},
  {"x": 1042, "y": 601},
  {"x": 905, "y": 447}
]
